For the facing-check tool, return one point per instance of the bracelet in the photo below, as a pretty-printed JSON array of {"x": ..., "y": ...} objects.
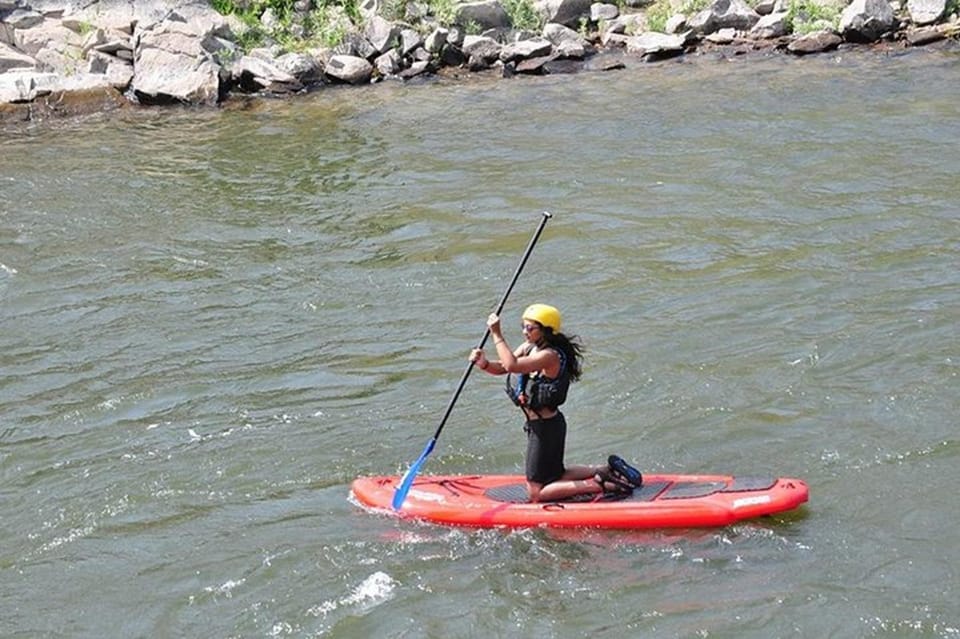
[{"x": 498, "y": 341}]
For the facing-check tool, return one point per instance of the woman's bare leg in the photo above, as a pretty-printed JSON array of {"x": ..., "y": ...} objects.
[{"x": 577, "y": 480}]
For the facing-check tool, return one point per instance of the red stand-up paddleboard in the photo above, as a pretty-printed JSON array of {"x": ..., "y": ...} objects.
[{"x": 664, "y": 501}]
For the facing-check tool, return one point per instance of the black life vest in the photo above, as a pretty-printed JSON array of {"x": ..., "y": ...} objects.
[{"x": 536, "y": 391}]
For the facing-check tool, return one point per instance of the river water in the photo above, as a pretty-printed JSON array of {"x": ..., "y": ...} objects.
[{"x": 213, "y": 321}]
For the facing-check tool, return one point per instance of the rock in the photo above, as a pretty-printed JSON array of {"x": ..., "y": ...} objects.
[
  {"x": 415, "y": 69},
  {"x": 723, "y": 36},
  {"x": 563, "y": 65},
  {"x": 455, "y": 36},
  {"x": 118, "y": 73},
  {"x": 656, "y": 45},
  {"x": 117, "y": 46},
  {"x": 388, "y": 63},
  {"x": 815, "y": 42},
  {"x": 571, "y": 49},
  {"x": 924, "y": 35},
  {"x": 256, "y": 74},
  {"x": 53, "y": 46},
  {"x": 488, "y": 14},
  {"x": 773, "y": 25},
  {"x": 526, "y": 49},
  {"x": 557, "y": 33},
  {"x": 301, "y": 66},
  {"x": 437, "y": 39},
  {"x": 369, "y": 8},
  {"x": 381, "y": 34},
  {"x": 867, "y": 20},
  {"x": 25, "y": 86},
  {"x": 534, "y": 66},
  {"x": 765, "y": 7},
  {"x": 7, "y": 33},
  {"x": 171, "y": 65},
  {"x": 355, "y": 44},
  {"x": 604, "y": 62},
  {"x": 724, "y": 14},
  {"x": 924, "y": 12},
  {"x": 601, "y": 11},
  {"x": 613, "y": 39},
  {"x": 676, "y": 23},
  {"x": 565, "y": 12},
  {"x": 23, "y": 19},
  {"x": 11, "y": 59},
  {"x": 410, "y": 41},
  {"x": 628, "y": 23},
  {"x": 481, "y": 47},
  {"x": 350, "y": 69},
  {"x": 452, "y": 56}
]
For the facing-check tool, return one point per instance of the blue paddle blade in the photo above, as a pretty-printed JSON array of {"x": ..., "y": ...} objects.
[{"x": 401, "y": 493}]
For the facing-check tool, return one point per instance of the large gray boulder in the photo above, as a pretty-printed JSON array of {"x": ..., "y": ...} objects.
[
  {"x": 867, "y": 20},
  {"x": 252, "y": 73},
  {"x": 11, "y": 58},
  {"x": 349, "y": 68},
  {"x": 565, "y": 12},
  {"x": 526, "y": 49},
  {"x": 653, "y": 45},
  {"x": 171, "y": 64},
  {"x": 382, "y": 34},
  {"x": 25, "y": 86},
  {"x": 815, "y": 42},
  {"x": 772, "y": 25},
  {"x": 924, "y": 12},
  {"x": 724, "y": 14}
]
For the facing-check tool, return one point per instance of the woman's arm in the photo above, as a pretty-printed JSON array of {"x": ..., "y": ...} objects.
[{"x": 519, "y": 363}]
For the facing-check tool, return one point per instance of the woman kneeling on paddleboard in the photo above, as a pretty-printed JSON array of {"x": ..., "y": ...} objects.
[{"x": 539, "y": 372}]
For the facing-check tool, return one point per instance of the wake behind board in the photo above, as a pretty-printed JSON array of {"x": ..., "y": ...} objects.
[{"x": 664, "y": 501}]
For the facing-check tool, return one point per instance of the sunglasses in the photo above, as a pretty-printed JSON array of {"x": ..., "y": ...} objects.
[{"x": 529, "y": 328}]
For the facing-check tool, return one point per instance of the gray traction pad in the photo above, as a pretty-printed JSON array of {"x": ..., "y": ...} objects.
[
  {"x": 517, "y": 493},
  {"x": 751, "y": 482},
  {"x": 511, "y": 493}
]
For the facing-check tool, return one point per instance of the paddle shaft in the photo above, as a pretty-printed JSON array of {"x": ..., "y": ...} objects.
[
  {"x": 404, "y": 487},
  {"x": 486, "y": 333}
]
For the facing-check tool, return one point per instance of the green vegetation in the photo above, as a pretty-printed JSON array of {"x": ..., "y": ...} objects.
[
  {"x": 328, "y": 23},
  {"x": 657, "y": 16},
  {"x": 663, "y": 10},
  {"x": 444, "y": 10},
  {"x": 523, "y": 15},
  {"x": 325, "y": 25},
  {"x": 805, "y": 16}
]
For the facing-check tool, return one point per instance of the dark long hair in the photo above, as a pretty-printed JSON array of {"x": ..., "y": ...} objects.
[{"x": 570, "y": 347}]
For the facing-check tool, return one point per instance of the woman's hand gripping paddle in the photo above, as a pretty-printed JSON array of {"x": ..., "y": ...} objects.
[{"x": 401, "y": 493}]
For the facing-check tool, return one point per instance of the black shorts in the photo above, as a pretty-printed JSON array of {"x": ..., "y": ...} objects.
[{"x": 545, "y": 443}]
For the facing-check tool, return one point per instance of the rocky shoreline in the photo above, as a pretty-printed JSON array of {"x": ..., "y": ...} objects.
[{"x": 64, "y": 58}]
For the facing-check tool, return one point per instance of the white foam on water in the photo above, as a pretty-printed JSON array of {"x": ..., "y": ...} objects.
[{"x": 372, "y": 591}]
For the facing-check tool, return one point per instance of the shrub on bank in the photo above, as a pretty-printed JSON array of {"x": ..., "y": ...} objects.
[{"x": 302, "y": 24}]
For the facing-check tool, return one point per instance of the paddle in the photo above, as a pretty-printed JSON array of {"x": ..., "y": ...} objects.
[{"x": 401, "y": 493}]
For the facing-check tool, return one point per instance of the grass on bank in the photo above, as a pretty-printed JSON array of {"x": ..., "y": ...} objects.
[
  {"x": 663, "y": 10},
  {"x": 803, "y": 16},
  {"x": 328, "y": 23}
]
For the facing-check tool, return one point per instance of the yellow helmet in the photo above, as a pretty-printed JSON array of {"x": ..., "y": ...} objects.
[{"x": 544, "y": 315}]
